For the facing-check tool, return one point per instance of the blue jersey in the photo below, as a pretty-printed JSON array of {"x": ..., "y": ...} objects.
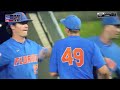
[
  {"x": 19, "y": 60},
  {"x": 3, "y": 72},
  {"x": 74, "y": 58},
  {"x": 110, "y": 51}
]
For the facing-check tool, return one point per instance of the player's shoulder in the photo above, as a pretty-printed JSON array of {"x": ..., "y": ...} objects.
[
  {"x": 31, "y": 41},
  {"x": 92, "y": 38},
  {"x": 4, "y": 47},
  {"x": 5, "y": 44},
  {"x": 85, "y": 40},
  {"x": 88, "y": 43},
  {"x": 59, "y": 41}
]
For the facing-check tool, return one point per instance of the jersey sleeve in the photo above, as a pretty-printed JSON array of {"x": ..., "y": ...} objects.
[
  {"x": 98, "y": 60},
  {"x": 4, "y": 60},
  {"x": 53, "y": 60}
]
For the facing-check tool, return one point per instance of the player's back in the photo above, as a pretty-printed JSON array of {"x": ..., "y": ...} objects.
[{"x": 76, "y": 58}]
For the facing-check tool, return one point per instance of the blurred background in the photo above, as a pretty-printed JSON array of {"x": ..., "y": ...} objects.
[
  {"x": 91, "y": 24},
  {"x": 46, "y": 28}
]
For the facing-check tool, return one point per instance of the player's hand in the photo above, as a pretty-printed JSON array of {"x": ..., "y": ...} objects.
[
  {"x": 111, "y": 64},
  {"x": 41, "y": 55},
  {"x": 44, "y": 53}
]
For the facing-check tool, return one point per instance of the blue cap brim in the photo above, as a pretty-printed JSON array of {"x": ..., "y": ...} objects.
[
  {"x": 26, "y": 20},
  {"x": 62, "y": 21}
]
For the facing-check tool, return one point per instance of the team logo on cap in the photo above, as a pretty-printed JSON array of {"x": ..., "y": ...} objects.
[{"x": 12, "y": 17}]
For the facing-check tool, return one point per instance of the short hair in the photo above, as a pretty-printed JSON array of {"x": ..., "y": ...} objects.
[{"x": 73, "y": 31}]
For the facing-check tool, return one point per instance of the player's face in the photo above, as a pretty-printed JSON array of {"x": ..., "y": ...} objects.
[
  {"x": 21, "y": 29},
  {"x": 113, "y": 31}
]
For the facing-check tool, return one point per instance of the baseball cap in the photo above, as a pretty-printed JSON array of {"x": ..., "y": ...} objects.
[
  {"x": 71, "y": 22},
  {"x": 23, "y": 18},
  {"x": 112, "y": 20}
]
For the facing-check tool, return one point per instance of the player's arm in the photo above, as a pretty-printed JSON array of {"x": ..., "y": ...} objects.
[
  {"x": 53, "y": 65},
  {"x": 45, "y": 53},
  {"x": 4, "y": 60},
  {"x": 112, "y": 66},
  {"x": 53, "y": 74},
  {"x": 104, "y": 72},
  {"x": 48, "y": 52},
  {"x": 99, "y": 63}
]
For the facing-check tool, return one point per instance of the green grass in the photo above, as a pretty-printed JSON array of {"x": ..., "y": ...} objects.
[
  {"x": 88, "y": 28},
  {"x": 92, "y": 28}
]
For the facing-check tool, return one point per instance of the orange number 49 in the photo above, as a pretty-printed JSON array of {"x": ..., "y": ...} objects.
[{"x": 77, "y": 53}]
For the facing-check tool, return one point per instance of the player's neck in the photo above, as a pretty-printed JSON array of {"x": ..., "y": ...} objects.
[
  {"x": 105, "y": 39},
  {"x": 77, "y": 34},
  {"x": 19, "y": 39}
]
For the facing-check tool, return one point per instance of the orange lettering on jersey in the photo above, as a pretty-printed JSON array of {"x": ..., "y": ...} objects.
[
  {"x": 28, "y": 58},
  {"x": 25, "y": 59},
  {"x": 16, "y": 61},
  {"x": 21, "y": 61},
  {"x": 35, "y": 58},
  {"x": 32, "y": 58}
]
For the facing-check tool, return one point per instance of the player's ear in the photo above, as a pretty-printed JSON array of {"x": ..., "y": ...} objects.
[
  {"x": 12, "y": 27},
  {"x": 66, "y": 30}
]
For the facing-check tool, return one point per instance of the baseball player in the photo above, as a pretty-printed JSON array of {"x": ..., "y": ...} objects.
[
  {"x": 110, "y": 50},
  {"x": 74, "y": 56},
  {"x": 19, "y": 55}
]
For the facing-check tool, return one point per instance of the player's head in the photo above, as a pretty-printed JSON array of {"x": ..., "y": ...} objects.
[
  {"x": 19, "y": 27},
  {"x": 72, "y": 24},
  {"x": 111, "y": 26}
]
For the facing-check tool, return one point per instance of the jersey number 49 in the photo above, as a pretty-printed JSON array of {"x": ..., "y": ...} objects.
[{"x": 76, "y": 55}]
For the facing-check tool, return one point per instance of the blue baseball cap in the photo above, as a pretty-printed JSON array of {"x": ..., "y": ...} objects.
[
  {"x": 71, "y": 22},
  {"x": 23, "y": 18},
  {"x": 112, "y": 20}
]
